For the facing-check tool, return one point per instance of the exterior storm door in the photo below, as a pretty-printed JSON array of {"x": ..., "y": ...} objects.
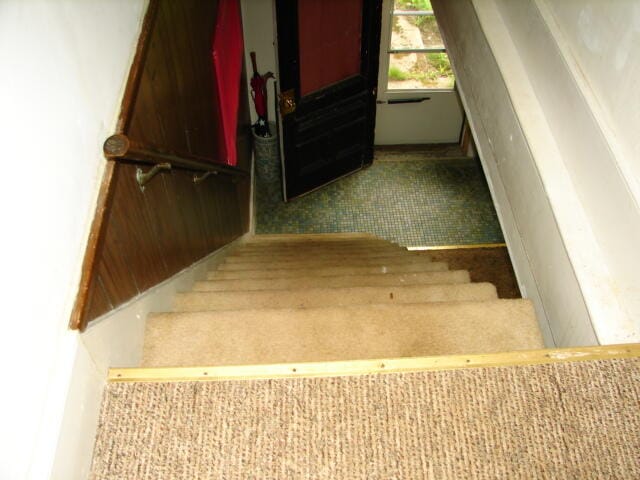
[{"x": 328, "y": 53}]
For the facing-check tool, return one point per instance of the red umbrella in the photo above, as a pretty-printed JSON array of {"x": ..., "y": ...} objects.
[{"x": 259, "y": 95}]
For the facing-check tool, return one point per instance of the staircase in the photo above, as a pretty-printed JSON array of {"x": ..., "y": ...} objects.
[
  {"x": 315, "y": 298},
  {"x": 348, "y": 357}
]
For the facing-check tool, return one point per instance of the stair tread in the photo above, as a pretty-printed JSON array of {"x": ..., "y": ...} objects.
[
  {"x": 311, "y": 238},
  {"x": 315, "y": 263},
  {"x": 351, "y": 247},
  {"x": 339, "y": 333},
  {"x": 326, "y": 271},
  {"x": 321, "y": 297},
  {"x": 411, "y": 278},
  {"x": 325, "y": 252}
]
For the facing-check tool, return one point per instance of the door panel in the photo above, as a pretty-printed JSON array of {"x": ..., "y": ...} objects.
[
  {"x": 329, "y": 35},
  {"x": 436, "y": 119},
  {"x": 328, "y": 61}
]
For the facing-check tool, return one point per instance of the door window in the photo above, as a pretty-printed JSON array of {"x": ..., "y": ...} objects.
[
  {"x": 416, "y": 58},
  {"x": 329, "y": 36}
]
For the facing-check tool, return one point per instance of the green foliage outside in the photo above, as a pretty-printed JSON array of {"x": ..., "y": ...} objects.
[
  {"x": 413, "y": 5},
  {"x": 397, "y": 74},
  {"x": 433, "y": 70}
]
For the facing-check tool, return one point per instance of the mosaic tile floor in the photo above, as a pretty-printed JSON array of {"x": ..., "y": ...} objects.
[{"x": 413, "y": 200}]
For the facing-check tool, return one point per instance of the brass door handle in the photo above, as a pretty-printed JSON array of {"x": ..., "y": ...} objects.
[{"x": 287, "y": 102}]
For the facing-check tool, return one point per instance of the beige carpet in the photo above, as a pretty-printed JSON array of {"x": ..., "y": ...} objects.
[
  {"x": 300, "y": 298},
  {"x": 562, "y": 421},
  {"x": 236, "y": 337}
]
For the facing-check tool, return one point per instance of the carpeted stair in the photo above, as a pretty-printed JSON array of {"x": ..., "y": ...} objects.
[
  {"x": 305, "y": 298},
  {"x": 395, "y": 393},
  {"x": 568, "y": 420}
]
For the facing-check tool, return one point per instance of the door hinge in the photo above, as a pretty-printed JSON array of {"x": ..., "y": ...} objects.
[{"x": 287, "y": 102}]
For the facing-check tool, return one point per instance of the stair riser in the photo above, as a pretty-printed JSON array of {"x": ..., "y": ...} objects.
[
  {"x": 293, "y": 249},
  {"x": 313, "y": 263},
  {"x": 428, "y": 278},
  {"x": 303, "y": 256},
  {"x": 323, "y": 272},
  {"x": 327, "y": 249},
  {"x": 202, "y": 301},
  {"x": 335, "y": 244},
  {"x": 312, "y": 237}
]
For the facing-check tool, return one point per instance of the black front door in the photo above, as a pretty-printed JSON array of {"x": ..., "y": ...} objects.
[{"x": 328, "y": 68}]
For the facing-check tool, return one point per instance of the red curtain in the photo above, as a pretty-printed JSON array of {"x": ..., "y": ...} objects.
[{"x": 227, "y": 62}]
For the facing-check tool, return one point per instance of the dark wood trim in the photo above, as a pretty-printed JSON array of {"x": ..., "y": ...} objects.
[
  {"x": 139, "y": 239},
  {"x": 78, "y": 314},
  {"x": 371, "y": 31},
  {"x": 120, "y": 147},
  {"x": 135, "y": 72},
  {"x": 288, "y": 50},
  {"x": 79, "y": 319}
]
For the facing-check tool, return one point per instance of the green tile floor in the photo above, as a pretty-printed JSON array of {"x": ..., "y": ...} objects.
[{"x": 412, "y": 199}]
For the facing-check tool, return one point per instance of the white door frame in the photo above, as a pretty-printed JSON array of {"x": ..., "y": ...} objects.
[{"x": 430, "y": 116}]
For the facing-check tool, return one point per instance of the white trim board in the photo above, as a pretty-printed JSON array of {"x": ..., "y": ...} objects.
[
  {"x": 568, "y": 215},
  {"x": 540, "y": 260}
]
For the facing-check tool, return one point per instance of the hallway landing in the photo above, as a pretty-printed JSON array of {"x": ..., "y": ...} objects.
[{"x": 413, "y": 197}]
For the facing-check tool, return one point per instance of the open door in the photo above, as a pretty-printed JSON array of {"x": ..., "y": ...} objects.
[{"x": 328, "y": 67}]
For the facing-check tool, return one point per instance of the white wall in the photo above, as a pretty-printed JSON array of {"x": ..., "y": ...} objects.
[
  {"x": 580, "y": 51},
  {"x": 554, "y": 159},
  {"x": 602, "y": 39},
  {"x": 437, "y": 120},
  {"x": 64, "y": 64},
  {"x": 258, "y": 23},
  {"x": 599, "y": 47}
]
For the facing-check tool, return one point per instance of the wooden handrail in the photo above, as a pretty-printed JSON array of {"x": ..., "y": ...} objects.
[{"x": 120, "y": 147}]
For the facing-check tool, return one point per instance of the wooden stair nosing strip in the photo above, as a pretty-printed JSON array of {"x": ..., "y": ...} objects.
[{"x": 374, "y": 366}]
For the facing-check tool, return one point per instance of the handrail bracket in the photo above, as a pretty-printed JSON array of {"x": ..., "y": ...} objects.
[
  {"x": 145, "y": 177},
  {"x": 201, "y": 178}
]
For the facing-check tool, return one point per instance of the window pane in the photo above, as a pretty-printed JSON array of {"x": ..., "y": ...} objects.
[
  {"x": 412, "y": 5},
  {"x": 415, "y": 31},
  {"x": 408, "y": 71}
]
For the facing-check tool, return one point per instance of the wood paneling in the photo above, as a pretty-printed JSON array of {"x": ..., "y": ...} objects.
[
  {"x": 140, "y": 238},
  {"x": 154, "y": 234},
  {"x": 175, "y": 109}
]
